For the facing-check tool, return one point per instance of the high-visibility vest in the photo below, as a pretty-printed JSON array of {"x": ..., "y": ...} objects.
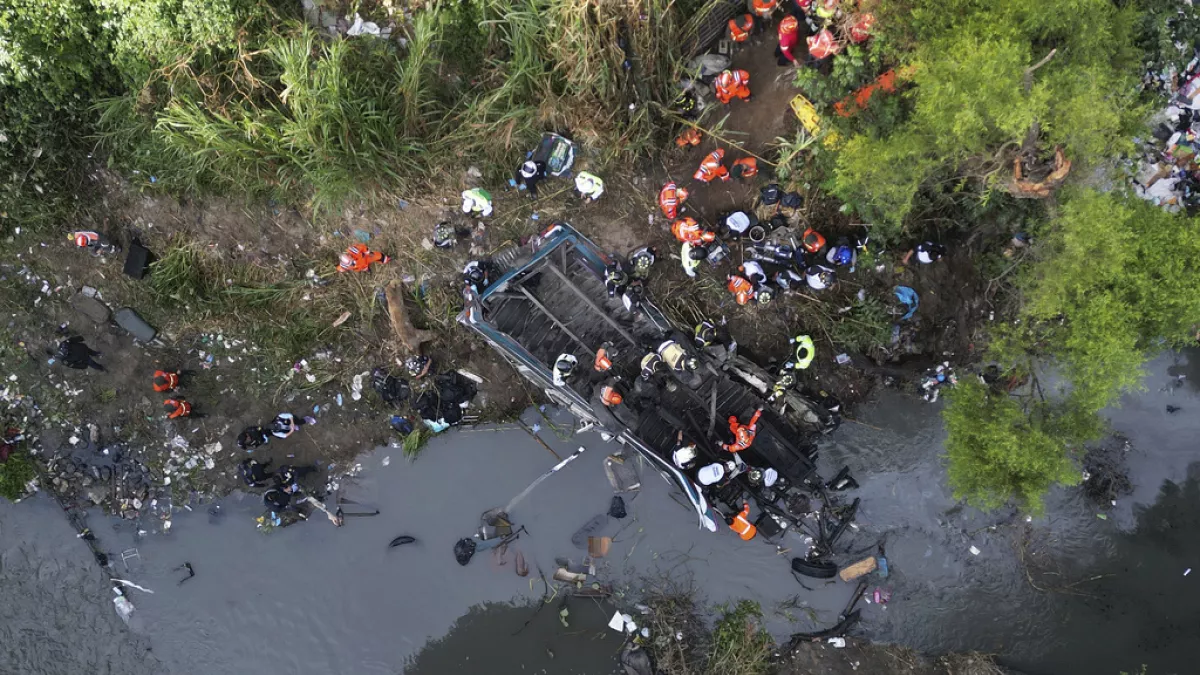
[
  {"x": 169, "y": 381},
  {"x": 764, "y": 8},
  {"x": 806, "y": 351},
  {"x": 690, "y": 137},
  {"x": 177, "y": 408},
  {"x": 688, "y": 231},
  {"x": 589, "y": 185},
  {"x": 669, "y": 199},
  {"x": 603, "y": 363},
  {"x": 827, "y": 8},
  {"x": 742, "y": 525},
  {"x": 741, "y": 289},
  {"x": 823, "y": 45},
  {"x": 85, "y": 239},
  {"x": 749, "y": 167},
  {"x": 650, "y": 364},
  {"x": 740, "y": 32},
  {"x": 672, "y": 354},
  {"x": 712, "y": 168}
]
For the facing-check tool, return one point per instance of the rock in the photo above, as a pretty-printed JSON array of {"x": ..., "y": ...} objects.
[
  {"x": 130, "y": 320},
  {"x": 90, "y": 307}
]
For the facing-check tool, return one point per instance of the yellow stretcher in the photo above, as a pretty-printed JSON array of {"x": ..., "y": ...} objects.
[{"x": 811, "y": 121}]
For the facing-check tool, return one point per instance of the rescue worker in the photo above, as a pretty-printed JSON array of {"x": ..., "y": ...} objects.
[
  {"x": 165, "y": 380},
  {"x": 732, "y": 84},
  {"x": 763, "y": 9},
  {"x": 615, "y": 278},
  {"x": 477, "y": 202},
  {"x": 684, "y": 454},
  {"x": 740, "y": 28},
  {"x": 358, "y": 258},
  {"x": 278, "y": 500},
  {"x": 476, "y": 275},
  {"x": 706, "y": 334},
  {"x": 812, "y": 241},
  {"x": 743, "y": 434},
  {"x": 444, "y": 235},
  {"x": 927, "y": 252},
  {"x": 687, "y": 230},
  {"x": 691, "y": 137},
  {"x": 589, "y": 186},
  {"x": 741, "y": 524},
  {"x": 711, "y": 167},
  {"x": 819, "y": 277},
  {"x": 252, "y": 437},
  {"x": 788, "y": 279},
  {"x": 743, "y": 290},
  {"x": 789, "y": 40},
  {"x": 670, "y": 198},
  {"x": 609, "y": 395},
  {"x": 752, "y": 270},
  {"x": 746, "y": 167},
  {"x": 826, "y": 9},
  {"x": 641, "y": 261},
  {"x": 738, "y": 223},
  {"x": 94, "y": 242},
  {"x": 564, "y": 367},
  {"x": 675, "y": 357},
  {"x": 76, "y": 354},
  {"x": 806, "y": 351},
  {"x": 255, "y": 473},
  {"x": 285, "y": 424},
  {"x": 529, "y": 175},
  {"x": 634, "y": 293},
  {"x": 785, "y": 382},
  {"x": 763, "y": 294},
  {"x": 289, "y": 476},
  {"x": 710, "y": 474},
  {"x": 688, "y": 107},
  {"x": 842, "y": 254},
  {"x": 649, "y": 366},
  {"x": 176, "y": 408},
  {"x": 604, "y": 357},
  {"x": 690, "y": 256}
]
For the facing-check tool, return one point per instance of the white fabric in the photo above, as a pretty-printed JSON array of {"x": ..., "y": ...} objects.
[
  {"x": 814, "y": 280},
  {"x": 754, "y": 271},
  {"x": 923, "y": 257},
  {"x": 769, "y": 477},
  {"x": 738, "y": 221},
  {"x": 711, "y": 474},
  {"x": 684, "y": 456}
]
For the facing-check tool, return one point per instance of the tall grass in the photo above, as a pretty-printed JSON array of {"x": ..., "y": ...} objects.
[{"x": 327, "y": 120}]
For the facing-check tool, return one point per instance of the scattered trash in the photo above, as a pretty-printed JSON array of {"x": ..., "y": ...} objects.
[
  {"x": 1187, "y": 571},
  {"x": 402, "y": 540},
  {"x": 837, "y": 642},
  {"x": 562, "y": 574},
  {"x": 387, "y": 460},
  {"x": 842, "y": 359},
  {"x": 883, "y": 567},
  {"x": 341, "y": 319},
  {"x": 617, "y": 508},
  {"x": 910, "y": 299},
  {"x": 1102, "y": 516},
  {"x": 974, "y": 551},
  {"x": 598, "y": 546}
]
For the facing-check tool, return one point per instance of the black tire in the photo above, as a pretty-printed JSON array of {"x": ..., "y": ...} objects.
[{"x": 817, "y": 569}]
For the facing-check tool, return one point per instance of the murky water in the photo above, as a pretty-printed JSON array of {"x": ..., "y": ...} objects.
[{"x": 315, "y": 599}]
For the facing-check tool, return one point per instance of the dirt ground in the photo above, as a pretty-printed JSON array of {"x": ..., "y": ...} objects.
[
  {"x": 239, "y": 376},
  {"x": 859, "y": 657}
]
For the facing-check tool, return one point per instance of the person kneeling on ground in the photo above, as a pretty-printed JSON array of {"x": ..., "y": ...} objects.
[
  {"x": 288, "y": 476},
  {"x": 589, "y": 186},
  {"x": 927, "y": 252},
  {"x": 165, "y": 381},
  {"x": 255, "y": 473},
  {"x": 177, "y": 408},
  {"x": 285, "y": 424},
  {"x": 252, "y": 437},
  {"x": 358, "y": 258},
  {"x": 277, "y": 499},
  {"x": 76, "y": 354}
]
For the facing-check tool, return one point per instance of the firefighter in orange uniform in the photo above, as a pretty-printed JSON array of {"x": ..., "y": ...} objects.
[
  {"x": 741, "y": 523},
  {"x": 176, "y": 408},
  {"x": 746, "y": 167},
  {"x": 741, "y": 288},
  {"x": 690, "y": 137},
  {"x": 165, "y": 381},
  {"x": 763, "y": 9},
  {"x": 743, "y": 434},
  {"x": 739, "y": 29},
  {"x": 358, "y": 258},
  {"x": 688, "y": 231},
  {"x": 732, "y": 84},
  {"x": 670, "y": 198},
  {"x": 712, "y": 167}
]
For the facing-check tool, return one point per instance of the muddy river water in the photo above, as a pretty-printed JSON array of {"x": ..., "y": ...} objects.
[{"x": 315, "y": 599}]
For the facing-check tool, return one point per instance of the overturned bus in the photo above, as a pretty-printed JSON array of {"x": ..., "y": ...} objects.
[{"x": 547, "y": 298}]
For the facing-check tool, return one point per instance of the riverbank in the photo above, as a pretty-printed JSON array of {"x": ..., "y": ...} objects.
[{"x": 318, "y": 599}]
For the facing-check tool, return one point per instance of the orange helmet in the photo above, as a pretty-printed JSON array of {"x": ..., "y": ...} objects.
[
  {"x": 610, "y": 396},
  {"x": 788, "y": 25},
  {"x": 812, "y": 240}
]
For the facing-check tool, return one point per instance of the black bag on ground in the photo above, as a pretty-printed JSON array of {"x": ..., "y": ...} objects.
[
  {"x": 617, "y": 508},
  {"x": 393, "y": 390},
  {"x": 464, "y": 549},
  {"x": 770, "y": 194},
  {"x": 793, "y": 200}
]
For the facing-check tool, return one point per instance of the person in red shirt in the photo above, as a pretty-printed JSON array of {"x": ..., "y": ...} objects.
[{"x": 789, "y": 41}]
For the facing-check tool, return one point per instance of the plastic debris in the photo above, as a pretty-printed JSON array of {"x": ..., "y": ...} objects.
[
  {"x": 842, "y": 359},
  {"x": 386, "y": 461},
  {"x": 974, "y": 551},
  {"x": 910, "y": 299},
  {"x": 1187, "y": 571},
  {"x": 837, "y": 642}
]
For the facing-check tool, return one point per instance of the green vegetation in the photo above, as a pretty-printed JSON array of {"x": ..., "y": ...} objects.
[
  {"x": 1113, "y": 283},
  {"x": 740, "y": 645},
  {"x": 15, "y": 474}
]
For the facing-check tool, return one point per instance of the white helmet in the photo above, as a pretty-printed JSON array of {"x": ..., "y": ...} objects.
[
  {"x": 711, "y": 474},
  {"x": 529, "y": 169},
  {"x": 684, "y": 456}
]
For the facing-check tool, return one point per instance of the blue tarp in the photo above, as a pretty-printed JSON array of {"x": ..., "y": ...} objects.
[{"x": 909, "y": 297}]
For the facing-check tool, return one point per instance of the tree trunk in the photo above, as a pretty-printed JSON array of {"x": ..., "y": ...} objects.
[{"x": 410, "y": 337}]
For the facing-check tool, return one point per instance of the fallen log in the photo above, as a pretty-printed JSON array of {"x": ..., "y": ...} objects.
[{"x": 409, "y": 336}]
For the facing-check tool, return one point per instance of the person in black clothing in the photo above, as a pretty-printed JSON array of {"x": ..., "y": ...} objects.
[
  {"x": 289, "y": 476},
  {"x": 76, "y": 354},
  {"x": 529, "y": 175},
  {"x": 255, "y": 473},
  {"x": 252, "y": 437},
  {"x": 277, "y": 499}
]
